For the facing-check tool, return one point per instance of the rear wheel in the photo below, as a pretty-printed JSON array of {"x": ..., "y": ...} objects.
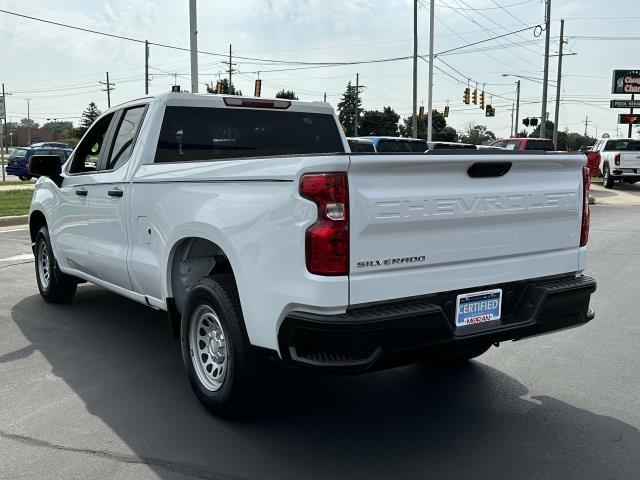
[
  {"x": 222, "y": 368},
  {"x": 24, "y": 178},
  {"x": 54, "y": 286},
  {"x": 607, "y": 178}
]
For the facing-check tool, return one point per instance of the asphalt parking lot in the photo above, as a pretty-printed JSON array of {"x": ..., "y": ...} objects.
[{"x": 96, "y": 389}]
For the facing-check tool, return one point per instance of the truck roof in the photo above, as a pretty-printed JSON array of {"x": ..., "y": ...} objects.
[{"x": 218, "y": 101}]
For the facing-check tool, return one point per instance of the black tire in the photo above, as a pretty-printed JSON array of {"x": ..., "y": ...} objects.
[
  {"x": 54, "y": 286},
  {"x": 235, "y": 393},
  {"x": 24, "y": 178},
  {"x": 460, "y": 355},
  {"x": 607, "y": 178}
]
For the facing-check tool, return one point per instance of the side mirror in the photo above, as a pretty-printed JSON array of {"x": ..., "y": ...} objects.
[{"x": 45, "y": 166}]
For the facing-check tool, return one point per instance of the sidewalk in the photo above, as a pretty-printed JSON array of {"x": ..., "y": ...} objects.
[{"x": 25, "y": 186}]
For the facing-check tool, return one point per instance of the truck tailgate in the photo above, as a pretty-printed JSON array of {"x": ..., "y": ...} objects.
[
  {"x": 422, "y": 224},
  {"x": 629, "y": 160}
]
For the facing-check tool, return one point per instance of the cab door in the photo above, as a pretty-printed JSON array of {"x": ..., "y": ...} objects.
[
  {"x": 109, "y": 201},
  {"x": 71, "y": 209}
]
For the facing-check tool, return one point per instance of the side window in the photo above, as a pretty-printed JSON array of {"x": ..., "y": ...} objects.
[
  {"x": 125, "y": 137},
  {"x": 88, "y": 151}
]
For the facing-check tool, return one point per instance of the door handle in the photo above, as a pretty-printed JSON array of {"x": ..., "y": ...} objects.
[
  {"x": 116, "y": 192},
  {"x": 82, "y": 192}
]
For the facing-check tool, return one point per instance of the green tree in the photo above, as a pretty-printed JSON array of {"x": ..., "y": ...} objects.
[
  {"x": 26, "y": 122},
  {"x": 58, "y": 126},
  {"x": 376, "y": 122},
  {"x": 347, "y": 110},
  {"x": 226, "y": 90},
  {"x": 288, "y": 94},
  {"x": 477, "y": 134},
  {"x": 440, "y": 131},
  {"x": 88, "y": 117}
]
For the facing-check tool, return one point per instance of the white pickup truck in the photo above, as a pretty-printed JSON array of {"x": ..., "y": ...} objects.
[
  {"x": 619, "y": 160},
  {"x": 251, "y": 223}
]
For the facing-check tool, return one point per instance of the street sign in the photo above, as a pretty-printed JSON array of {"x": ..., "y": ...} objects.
[
  {"x": 625, "y": 104},
  {"x": 626, "y": 81},
  {"x": 629, "y": 118},
  {"x": 3, "y": 113}
]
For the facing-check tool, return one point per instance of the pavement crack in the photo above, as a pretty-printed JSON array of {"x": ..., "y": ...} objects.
[{"x": 188, "y": 469}]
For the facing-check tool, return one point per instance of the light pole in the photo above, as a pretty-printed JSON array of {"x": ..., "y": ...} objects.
[
  {"x": 545, "y": 83},
  {"x": 28, "y": 123},
  {"x": 193, "y": 44},
  {"x": 432, "y": 8},
  {"x": 515, "y": 134}
]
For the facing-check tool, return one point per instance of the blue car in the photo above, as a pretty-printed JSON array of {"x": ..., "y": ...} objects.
[{"x": 19, "y": 159}]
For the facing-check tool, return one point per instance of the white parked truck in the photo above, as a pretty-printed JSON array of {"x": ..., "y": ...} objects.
[
  {"x": 619, "y": 160},
  {"x": 250, "y": 222}
]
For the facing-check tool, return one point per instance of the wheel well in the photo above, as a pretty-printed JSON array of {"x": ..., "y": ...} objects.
[
  {"x": 37, "y": 220},
  {"x": 192, "y": 259}
]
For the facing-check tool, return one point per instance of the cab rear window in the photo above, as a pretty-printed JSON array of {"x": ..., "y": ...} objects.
[
  {"x": 203, "y": 133},
  {"x": 400, "y": 146},
  {"x": 622, "y": 146}
]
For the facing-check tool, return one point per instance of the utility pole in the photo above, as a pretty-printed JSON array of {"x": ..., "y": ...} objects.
[
  {"x": 325, "y": 97},
  {"x": 432, "y": 8},
  {"x": 517, "y": 107},
  {"x": 146, "y": 67},
  {"x": 231, "y": 70},
  {"x": 512, "y": 109},
  {"x": 355, "y": 116},
  {"x": 4, "y": 125},
  {"x": 28, "y": 122},
  {"x": 193, "y": 44},
  {"x": 545, "y": 84},
  {"x": 414, "y": 123},
  {"x": 586, "y": 123},
  {"x": 557, "y": 117},
  {"x": 109, "y": 86}
]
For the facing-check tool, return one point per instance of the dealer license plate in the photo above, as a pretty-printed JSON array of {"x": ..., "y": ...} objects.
[{"x": 478, "y": 307}]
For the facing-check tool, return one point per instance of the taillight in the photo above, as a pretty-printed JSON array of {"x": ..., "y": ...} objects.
[
  {"x": 327, "y": 240},
  {"x": 616, "y": 159},
  {"x": 584, "y": 231}
]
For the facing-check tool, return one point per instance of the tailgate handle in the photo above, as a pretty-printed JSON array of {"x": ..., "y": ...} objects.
[{"x": 489, "y": 169}]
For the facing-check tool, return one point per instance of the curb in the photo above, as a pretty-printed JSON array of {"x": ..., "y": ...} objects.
[{"x": 13, "y": 221}]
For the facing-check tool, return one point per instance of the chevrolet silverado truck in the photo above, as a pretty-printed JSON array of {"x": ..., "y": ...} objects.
[
  {"x": 619, "y": 159},
  {"x": 264, "y": 238}
]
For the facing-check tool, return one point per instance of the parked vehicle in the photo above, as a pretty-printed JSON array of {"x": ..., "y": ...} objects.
[
  {"x": 619, "y": 159},
  {"x": 397, "y": 144},
  {"x": 544, "y": 144},
  {"x": 360, "y": 145},
  {"x": 437, "y": 145},
  {"x": 252, "y": 225},
  {"x": 18, "y": 162},
  {"x": 51, "y": 144},
  {"x": 593, "y": 162}
]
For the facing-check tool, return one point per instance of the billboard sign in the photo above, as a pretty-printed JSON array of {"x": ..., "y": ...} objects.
[
  {"x": 629, "y": 118},
  {"x": 624, "y": 104},
  {"x": 626, "y": 81}
]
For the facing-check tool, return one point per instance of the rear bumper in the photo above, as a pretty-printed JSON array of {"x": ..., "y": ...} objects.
[
  {"x": 404, "y": 332},
  {"x": 626, "y": 172}
]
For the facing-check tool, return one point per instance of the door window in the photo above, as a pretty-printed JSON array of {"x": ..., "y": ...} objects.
[
  {"x": 85, "y": 159},
  {"x": 125, "y": 137}
]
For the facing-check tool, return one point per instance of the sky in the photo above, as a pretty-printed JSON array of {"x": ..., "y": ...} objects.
[{"x": 59, "y": 69}]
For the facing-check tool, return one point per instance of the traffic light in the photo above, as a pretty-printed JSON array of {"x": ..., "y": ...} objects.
[
  {"x": 534, "y": 122},
  {"x": 466, "y": 98},
  {"x": 482, "y": 99},
  {"x": 446, "y": 111},
  {"x": 421, "y": 112},
  {"x": 258, "y": 88},
  {"x": 489, "y": 111},
  {"x": 525, "y": 122},
  {"x": 475, "y": 97},
  {"x": 175, "y": 88}
]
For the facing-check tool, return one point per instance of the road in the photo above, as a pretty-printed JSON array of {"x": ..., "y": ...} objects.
[{"x": 96, "y": 389}]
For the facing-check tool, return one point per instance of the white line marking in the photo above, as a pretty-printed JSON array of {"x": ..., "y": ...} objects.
[{"x": 17, "y": 258}]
